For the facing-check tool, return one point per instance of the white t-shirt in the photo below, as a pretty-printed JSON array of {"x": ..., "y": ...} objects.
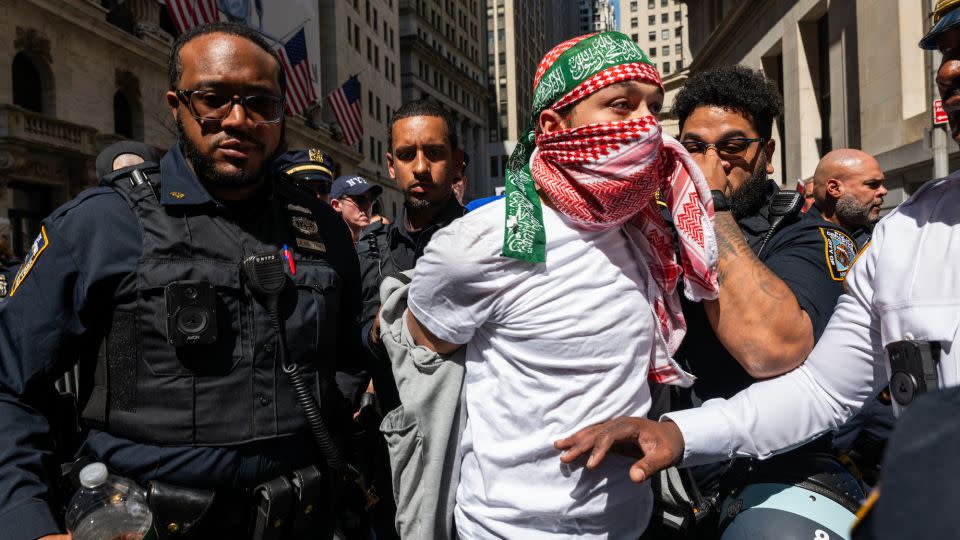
[{"x": 550, "y": 349}]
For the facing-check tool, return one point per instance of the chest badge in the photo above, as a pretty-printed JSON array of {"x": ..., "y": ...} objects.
[
  {"x": 305, "y": 225},
  {"x": 177, "y": 195},
  {"x": 3, "y": 286}
]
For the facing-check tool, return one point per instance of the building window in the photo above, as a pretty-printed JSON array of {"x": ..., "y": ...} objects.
[
  {"x": 376, "y": 56},
  {"x": 356, "y": 37},
  {"x": 379, "y": 119},
  {"x": 27, "y": 84},
  {"x": 677, "y": 32},
  {"x": 651, "y": 4},
  {"x": 663, "y": 3},
  {"x": 369, "y": 51},
  {"x": 664, "y": 18},
  {"x": 666, "y": 67},
  {"x": 678, "y": 48},
  {"x": 635, "y": 38},
  {"x": 652, "y": 36},
  {"x": 122, "y": 116},
  {"x": 676, "y": 16},
  {"x": 664, "y": 34},
  {"x": 666, "y": 50},
  {"x": 634, "y": 22},
  {"x": 679, "y": 65},
  {"x": 373, "y": 150},
  {"x": 494, "y": 167},
  {"x": 633, "y": 6},
  {"x": 653, "y": 52},
  {"x": 370, "y": 103},
  {"x": 651, "y": 20}
]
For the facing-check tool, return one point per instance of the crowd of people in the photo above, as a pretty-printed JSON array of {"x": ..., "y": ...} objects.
[{"x": 644, "y": 338}]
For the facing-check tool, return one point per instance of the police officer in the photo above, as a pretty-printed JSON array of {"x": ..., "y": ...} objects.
[
  {"x": 849, "y": 191},
  {"x": 901, "y": 303},
  {"x": 425, "y": 161},
  {"x": 312, "y": 169},
  {"x": 184, "y": 383},
  {"x": 781, "y": 272}
]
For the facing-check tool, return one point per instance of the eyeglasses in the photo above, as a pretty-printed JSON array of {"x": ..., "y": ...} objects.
[
  {"x": 726, "y": 148},
  {"x": 206, "y": 105}
]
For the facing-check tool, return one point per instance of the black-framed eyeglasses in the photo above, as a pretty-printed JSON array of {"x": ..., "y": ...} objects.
[
  {"x": 209, "y": 105},
  {"x": 729, "y": 148}
]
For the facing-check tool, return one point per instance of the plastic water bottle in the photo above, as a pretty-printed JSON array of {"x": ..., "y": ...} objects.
[{"x": 108, "y": 507}]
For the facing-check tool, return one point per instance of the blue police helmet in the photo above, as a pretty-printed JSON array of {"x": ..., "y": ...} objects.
[{"x": 809, "y": 496}]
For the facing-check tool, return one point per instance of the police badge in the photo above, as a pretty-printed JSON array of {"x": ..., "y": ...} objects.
[{"x": 840, "y": 251}]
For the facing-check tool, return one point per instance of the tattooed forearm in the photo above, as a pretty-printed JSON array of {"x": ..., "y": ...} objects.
[{"x": 736, "y": 256}]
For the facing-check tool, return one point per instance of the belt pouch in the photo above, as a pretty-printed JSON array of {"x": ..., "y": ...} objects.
[
  {"x": 312, "y": 510},
  {"x": 274, "y": 500},
  {"x": 177, "y": 510}
]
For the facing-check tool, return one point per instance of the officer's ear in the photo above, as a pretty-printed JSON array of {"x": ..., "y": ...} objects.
[
  {"x": 173, "y": 101},
  {"x": 768, "y": 149},
  {"x": 834, "y": 188}
]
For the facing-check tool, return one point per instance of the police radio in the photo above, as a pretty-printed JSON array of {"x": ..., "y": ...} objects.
[
  {"x": 913, "y": 369},
  {"x": 191, "y": 313}
]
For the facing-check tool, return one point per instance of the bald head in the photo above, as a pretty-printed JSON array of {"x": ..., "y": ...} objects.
[{"x": 848, "y": 187}]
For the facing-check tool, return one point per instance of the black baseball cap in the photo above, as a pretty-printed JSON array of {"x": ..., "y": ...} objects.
[{"x": 353, "y": 185}]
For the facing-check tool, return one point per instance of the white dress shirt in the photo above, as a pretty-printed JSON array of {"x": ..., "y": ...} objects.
[{"x": 905, "y": 285}]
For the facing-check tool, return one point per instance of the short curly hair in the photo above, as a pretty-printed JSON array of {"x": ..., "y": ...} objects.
[{"x": 734, "y": 88}]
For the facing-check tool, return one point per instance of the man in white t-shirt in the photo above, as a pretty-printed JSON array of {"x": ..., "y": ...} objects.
[{"x": 565, "y": 296}]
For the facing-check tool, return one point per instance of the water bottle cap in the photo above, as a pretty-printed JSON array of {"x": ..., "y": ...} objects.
[{"x": 93, "y": 475}]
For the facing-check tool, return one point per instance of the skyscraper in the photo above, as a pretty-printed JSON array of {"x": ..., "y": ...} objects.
[
  {"x": 596, "y": 16},
  {"x": 442, "y": 54},
  {"x": 515, "y": 44},
  {"x": 561, "y": 22},
  {"x": 660, "y": 28},
  {"x": 361, "y": 37}
]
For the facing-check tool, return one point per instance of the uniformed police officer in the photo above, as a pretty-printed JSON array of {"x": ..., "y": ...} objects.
[
  {"x": 112, "y": 267},
  {"x": 780, "y": 275},
  {"x": 312, "y": 169},
  {"x": 901, "y": 303}
]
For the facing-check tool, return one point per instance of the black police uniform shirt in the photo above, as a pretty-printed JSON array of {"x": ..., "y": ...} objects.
[
  {"x": 385, "y": 249},
  {"x": 811, "y": 256},
  {"x": 68, "y": 287}
]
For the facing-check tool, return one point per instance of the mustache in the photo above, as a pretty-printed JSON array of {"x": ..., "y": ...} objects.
[{"x": 236, "y": 137}]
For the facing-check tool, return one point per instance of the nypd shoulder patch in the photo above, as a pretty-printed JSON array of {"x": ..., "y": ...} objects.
[
  {"x": 840, "y": 251},
  {"x": 36, "y": 249}
]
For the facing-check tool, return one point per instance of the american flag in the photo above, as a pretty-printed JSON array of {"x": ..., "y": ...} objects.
[
  {"x": 293, "y": 56},
  {"x": 346, "y": 107},
  {"x": 189, "y": 13}
]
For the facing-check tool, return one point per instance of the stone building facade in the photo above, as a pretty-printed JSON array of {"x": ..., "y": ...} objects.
[
  {"x": 443, "y": 54},
  {"x": 850, "y": 71},
  {"x": 515, "y": 44},
  {"x": 77, "y": 77}
]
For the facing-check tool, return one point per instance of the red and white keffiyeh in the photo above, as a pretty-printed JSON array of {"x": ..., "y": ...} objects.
[{"x": 606, "y": 175}]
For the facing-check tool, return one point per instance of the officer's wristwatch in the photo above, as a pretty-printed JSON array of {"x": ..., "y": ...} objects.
[{"x": 719, "y": 201}]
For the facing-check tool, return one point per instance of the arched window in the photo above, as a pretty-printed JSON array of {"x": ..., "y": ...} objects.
[
  {"x": 122, "y": 116},
  {"x": 27, "y": 84}
]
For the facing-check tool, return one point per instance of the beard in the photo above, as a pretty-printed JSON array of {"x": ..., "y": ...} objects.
[
  {"x": 850, "y": 211},
  {"x": 206, "y": 168},
  {"x": 749, "y": 198},
  {"x": 413, "y": 203}
]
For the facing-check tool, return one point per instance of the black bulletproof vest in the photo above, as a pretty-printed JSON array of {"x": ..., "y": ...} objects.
[{"x": 233, "y": 391}]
